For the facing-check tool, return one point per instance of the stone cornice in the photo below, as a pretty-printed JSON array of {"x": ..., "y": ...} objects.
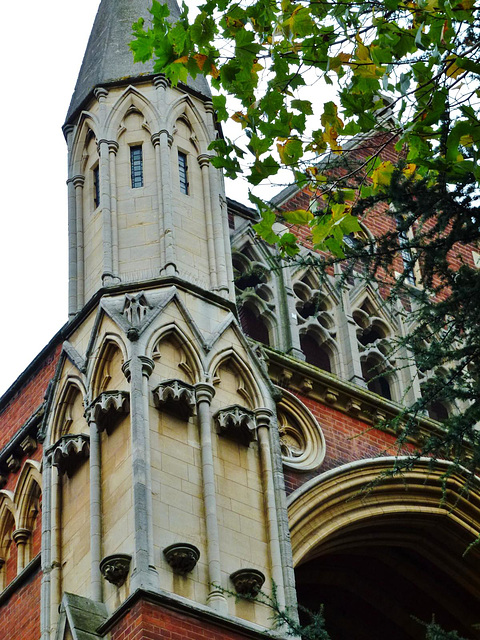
[
  {"x": 307, "y": 380},
  {"x": 14, "y": 448}
]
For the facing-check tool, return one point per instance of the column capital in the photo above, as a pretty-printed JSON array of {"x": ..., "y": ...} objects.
[
  {"x": 100, "y": 93},
  {"x": 204, "y": 392},
  {"x": 161, "y": 82},
  {"x": 147, "y": 365},
  {"x": 203, "y": 160},
  {"x": 20, "y": 536},
  {"x": 263, "y": 417},
  {"x": 113, "y": 146},
  {"x": 78, "y": 181}
]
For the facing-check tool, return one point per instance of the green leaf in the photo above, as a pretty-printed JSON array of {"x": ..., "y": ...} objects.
[{"x": 299, "y": 216}]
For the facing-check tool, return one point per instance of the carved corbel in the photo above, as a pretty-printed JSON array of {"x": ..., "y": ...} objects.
[
  {"x": 13, "y": 463},
  {"x": 69, "y": 451},
  {"x": 237, "y": 423},
  {"x": 28, "y": 445},
  {"x": 175, "y": 397},
  {"x": 107, "y": 408}
]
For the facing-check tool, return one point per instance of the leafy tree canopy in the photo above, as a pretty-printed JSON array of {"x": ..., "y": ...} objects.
[{"x": 407, "y": 68}]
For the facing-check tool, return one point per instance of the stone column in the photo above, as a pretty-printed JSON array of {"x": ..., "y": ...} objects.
[
  {"x": 137, "y": 371},
  {"x": 46, "y": 549},
  {"x": 112, "y": 151},
  {"x": 204, "y": 162},
  {"x": 218, "y": 227},
  {"x": 2, "y": 574},
  {"x": 20, "y": 537},
  {"x": 72, "y": 250},
  {"x": 169, "y": 268},
  {"x": 204, "y": 394},
  {"x": 105, "y": 205},
  {"x": 56, "y": 549},
  {"x": 95, "y": 509},
  {"x": 350, "y": 356},
  {"x": 263, "y": 419},
  {"x": 160, "y": 210},
  {"x": 78, "y": 182}
]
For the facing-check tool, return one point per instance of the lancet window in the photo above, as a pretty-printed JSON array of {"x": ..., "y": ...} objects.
[
  {"x": 374, "y": 346},
  {"x": 317, "y": 326},
  {"x": 255, "y": 298}
]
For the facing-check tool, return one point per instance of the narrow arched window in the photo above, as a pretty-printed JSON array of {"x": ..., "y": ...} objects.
[{"x": 314, "y": 353}]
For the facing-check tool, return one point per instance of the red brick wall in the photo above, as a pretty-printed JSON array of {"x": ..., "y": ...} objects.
[
  {"x": 21, "y": 406},
  {"x": 346, "y": 439},
  {"x": 146, "y": 621},
  {"x": 20, "y": 615}
]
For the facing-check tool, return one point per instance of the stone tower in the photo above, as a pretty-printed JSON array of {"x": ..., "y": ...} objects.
[{"x": 161, "y": 467}]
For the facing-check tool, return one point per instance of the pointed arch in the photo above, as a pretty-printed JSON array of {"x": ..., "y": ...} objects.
[
  {"x": 131, "y": 98},
  {"x": 185, "y": 107},
  {"x": 87, "y": 122},
  {"x": 8, "y": 524},
  {"x": 247, "y": 387},
  {"x": 192, "y": 365},
  {"x": 106, "y": 367},
  {"x": 68, "y": 408},
  {"x": 27, "y": 493}
]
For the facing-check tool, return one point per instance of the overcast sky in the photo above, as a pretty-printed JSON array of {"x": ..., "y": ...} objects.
[{"x": 41, "y": 49}]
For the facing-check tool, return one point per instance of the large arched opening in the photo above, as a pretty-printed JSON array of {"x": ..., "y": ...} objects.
[{"x": 381, "y": 559}]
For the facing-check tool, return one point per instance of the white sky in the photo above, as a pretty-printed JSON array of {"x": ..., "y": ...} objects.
[{"x": 41, "y": 49}]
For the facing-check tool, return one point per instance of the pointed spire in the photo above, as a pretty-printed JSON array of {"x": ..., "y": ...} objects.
[{"x": 108, "y": 57}]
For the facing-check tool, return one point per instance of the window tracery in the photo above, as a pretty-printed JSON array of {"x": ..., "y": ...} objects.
[
  {"x": 255, "y": 298},
  {"x": 317, "y": 323}
]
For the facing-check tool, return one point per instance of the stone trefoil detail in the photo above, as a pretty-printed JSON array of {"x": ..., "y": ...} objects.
[
  {"x": 237, "y": 423},
  {"x": 69, "y": 450},
  {"x": 108, "y": 407},
  {"x": 175, "y": 396}
]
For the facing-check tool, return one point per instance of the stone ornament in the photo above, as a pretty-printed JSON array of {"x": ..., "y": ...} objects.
[
  {"x": 247, "y": 582},
  {"x": 301, "y": 439},
  {"x": 108, "y": 407},
  {"x": 28, "y": 445},
  {"x": 236, "y": 422},
  {"x": 176, "y": 397},
  {"x": 135, "y": 308},
  {"x": 69, "y": 450},
  {"x": 182, "y": 557},
  {"x": 115, "y": 568}
]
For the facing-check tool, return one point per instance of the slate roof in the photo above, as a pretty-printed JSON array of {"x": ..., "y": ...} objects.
[{"x": 108, "y": 57}]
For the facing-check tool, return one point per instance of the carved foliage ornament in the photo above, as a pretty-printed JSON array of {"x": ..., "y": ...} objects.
[
  {"x": 176, "y": 397},
  {"x": 115, "y": 568},
  {"x": 247, "y": 582},
  {"x": 182, "y": 557}
]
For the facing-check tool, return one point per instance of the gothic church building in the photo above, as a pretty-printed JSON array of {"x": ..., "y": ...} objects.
[{"x": 203, "y": 424}]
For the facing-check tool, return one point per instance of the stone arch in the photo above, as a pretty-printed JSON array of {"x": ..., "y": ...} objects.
[
  {"x": 106, "y": 372},
  {"x": 8, "y": 524},
  {"x": 190, "y": 365},
  {"x": 69, "y": 409},
  {"x": 245, "y": 385},
  {"x": 184, "y": 107},
  {"x": 87, "y": 123},
  {"x": 27, "y": 490},
  {"x": 390, "y": 545},
  {"x": 131, "y": 98},
  {"x": 319, "y": 348}
]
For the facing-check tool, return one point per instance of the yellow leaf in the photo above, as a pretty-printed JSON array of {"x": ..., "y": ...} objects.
[
  {"x": 214, "y": 71},
  {"x": 382, "y": 175},
  {"x": 337, "y": 61},
  {"x": 182, "y": 60},
  {"x": 466, "y": 140},
  {"x": 409, "y": 170},
  {"x": 200, "y": 59},
  {"x": 452, "y": 69}
]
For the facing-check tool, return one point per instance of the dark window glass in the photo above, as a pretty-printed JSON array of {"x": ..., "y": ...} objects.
[
  {"x": 96, "y": 187},
  {"x": 136, "y": 166},
  {"x": 183, "y": 172},
  {"x": 314, "y": 353},
  {"x": 253, "y": 326}
]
